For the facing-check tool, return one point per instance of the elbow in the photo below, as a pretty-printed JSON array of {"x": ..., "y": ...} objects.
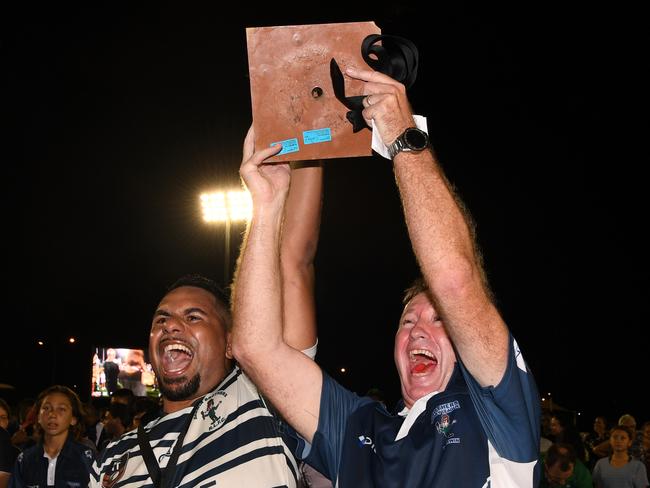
[
  {"x": 456, "y": 278},
  {"x": 295, "y": 255},
  {"x": 240, "y": 347},
  {"x": 250, "y": 351},
  {"x": 239, "y": 353}
]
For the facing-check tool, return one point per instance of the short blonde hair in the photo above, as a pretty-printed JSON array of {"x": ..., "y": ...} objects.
[{"x": 627, "y": 420}]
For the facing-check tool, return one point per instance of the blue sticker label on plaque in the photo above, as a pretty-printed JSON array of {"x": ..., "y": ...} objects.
[
  {"x": 317, "y": 135},
  {"x": 288, "y": 146}
]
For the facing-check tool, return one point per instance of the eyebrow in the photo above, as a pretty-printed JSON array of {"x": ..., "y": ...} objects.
[
  {"x": 165, "y": 313},
  {"x": 195, "y": 309}
]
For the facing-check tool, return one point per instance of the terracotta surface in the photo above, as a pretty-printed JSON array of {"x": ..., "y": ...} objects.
[{"x": 287, "y": 65}]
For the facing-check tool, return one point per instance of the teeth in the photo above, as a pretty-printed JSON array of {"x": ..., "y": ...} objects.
[
  {"x": 177, "y": 347},
  {"x": 423, "y": 352}
]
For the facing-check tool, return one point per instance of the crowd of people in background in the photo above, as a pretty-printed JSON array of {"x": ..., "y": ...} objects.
[
  {"x": 606, "y": 457},
  {"x": 69, "y": 434},
  {"x": 58, "y": 423}
]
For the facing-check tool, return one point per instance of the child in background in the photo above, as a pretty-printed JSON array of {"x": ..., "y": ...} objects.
[
  {"x": 620, "y": 470},
  {"x": 68, "y": 461}
]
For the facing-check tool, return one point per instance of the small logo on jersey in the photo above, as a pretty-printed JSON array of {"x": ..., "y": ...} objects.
[
  {"x": 366, "y": 441},
  {"x": 210, "y": 411},
  {"x": 115, "y": 471},
  {"x": 89, "y": 454},
  {"x": 443, "y": 426},
  {"x": 445, "y": 408},
  {"x": 445, "y": 423},
  {"x": 167, "y": 454}
]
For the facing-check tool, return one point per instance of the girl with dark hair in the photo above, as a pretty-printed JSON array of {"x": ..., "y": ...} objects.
[
  {"x": 620, "y": 469},
  {"x": 57, "y": 459}
]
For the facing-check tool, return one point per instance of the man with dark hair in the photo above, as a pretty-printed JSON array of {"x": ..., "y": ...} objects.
[
  {"x": 563, "y": 468},
  {"x": 215, "y": 428},
  {"x": 470, "y": 410}
]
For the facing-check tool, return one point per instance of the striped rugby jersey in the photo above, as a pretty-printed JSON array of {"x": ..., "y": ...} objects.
[{"x": 232, "y": 441}]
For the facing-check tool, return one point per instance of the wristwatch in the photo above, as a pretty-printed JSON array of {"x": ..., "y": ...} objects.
[{"x": 412, "y": 139}]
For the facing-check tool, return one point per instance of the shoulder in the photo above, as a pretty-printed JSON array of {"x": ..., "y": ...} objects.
[
  {"x": 235, "y": 379},
  {"x": 32, "y": 451},
  {"x": 82, "y": 449},
  {"x": 28, "y": 456},
  {"x": 601, "y": 463},
  {"x": 337, "y": 401}
]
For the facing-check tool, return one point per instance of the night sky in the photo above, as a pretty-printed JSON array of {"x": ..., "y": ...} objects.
[{"x": 117, "y": 118}]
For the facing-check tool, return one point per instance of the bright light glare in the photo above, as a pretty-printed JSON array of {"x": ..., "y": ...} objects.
[
  {"x": 240, "y": 205},
  {"x": 218, "y": 206}
]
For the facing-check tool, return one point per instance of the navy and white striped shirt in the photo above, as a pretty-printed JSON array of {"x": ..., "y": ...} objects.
[{"x": 233, "y": 440}]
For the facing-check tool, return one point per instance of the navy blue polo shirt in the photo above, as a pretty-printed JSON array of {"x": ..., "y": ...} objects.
[
  {"x": 73, "y": 465},
  {"x": 467, "y": 436}
]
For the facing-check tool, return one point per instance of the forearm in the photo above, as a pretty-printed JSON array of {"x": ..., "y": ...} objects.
[
  {"x": 299, "y": 241},
  {"x": 285, "y": 376},
  {"x": 443, "y": 242},
  {"x": 257, "y": 299},
  {"x": 438, "y": 229}
]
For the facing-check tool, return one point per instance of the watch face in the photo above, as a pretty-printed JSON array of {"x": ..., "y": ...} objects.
[{"x": 416, "y": 139}]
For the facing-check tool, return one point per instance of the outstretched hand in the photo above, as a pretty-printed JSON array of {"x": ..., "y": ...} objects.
[
  {"x": 267, "y": 182},
  {"x": 385, "y": 103}
]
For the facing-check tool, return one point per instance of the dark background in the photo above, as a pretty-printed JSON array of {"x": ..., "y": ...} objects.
[{"x": 116, "y": 118}]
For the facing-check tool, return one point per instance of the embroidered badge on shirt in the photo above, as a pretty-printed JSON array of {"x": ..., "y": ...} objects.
[
  {"x": 366, "y": 441},
  {"x": 209, "y": 410},
  {"x": 445, "y": 424},
  {"x": 115, "y": 471}
]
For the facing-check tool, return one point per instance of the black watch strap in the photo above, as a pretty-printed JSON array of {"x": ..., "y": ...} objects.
[{"x": 412, "y": 139}]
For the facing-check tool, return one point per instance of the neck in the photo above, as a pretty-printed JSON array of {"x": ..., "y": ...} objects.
[
  {"x": 170, "y": 406},
  {"x": 620, "y": 455},
  {"x": 52, "y": 444}
]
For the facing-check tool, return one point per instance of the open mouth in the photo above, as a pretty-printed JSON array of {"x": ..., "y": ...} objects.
[
  {"x": 176, "y": 358},
  {"x": 422, "y": 361}
]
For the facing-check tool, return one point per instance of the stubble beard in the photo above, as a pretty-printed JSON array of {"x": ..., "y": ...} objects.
[{"x": 178, "y": 389}]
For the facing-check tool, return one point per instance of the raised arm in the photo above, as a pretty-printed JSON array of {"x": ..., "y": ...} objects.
[
  {"x": 442, "y": 237},
  {"x": 284, "y": 375},
  {"x": 298, "y": 245}
]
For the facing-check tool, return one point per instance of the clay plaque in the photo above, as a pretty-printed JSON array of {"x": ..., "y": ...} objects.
[{"x": 291, "y": 89}]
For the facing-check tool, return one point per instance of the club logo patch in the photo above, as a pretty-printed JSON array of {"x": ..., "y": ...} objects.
[
  {"x": 364, "y": 440},
  {"x": 209, "y": 411},
  {"x": 443, "y": 426},
  {"x": 444, "y": 423},
  {"x": 115, "y": 471}
]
